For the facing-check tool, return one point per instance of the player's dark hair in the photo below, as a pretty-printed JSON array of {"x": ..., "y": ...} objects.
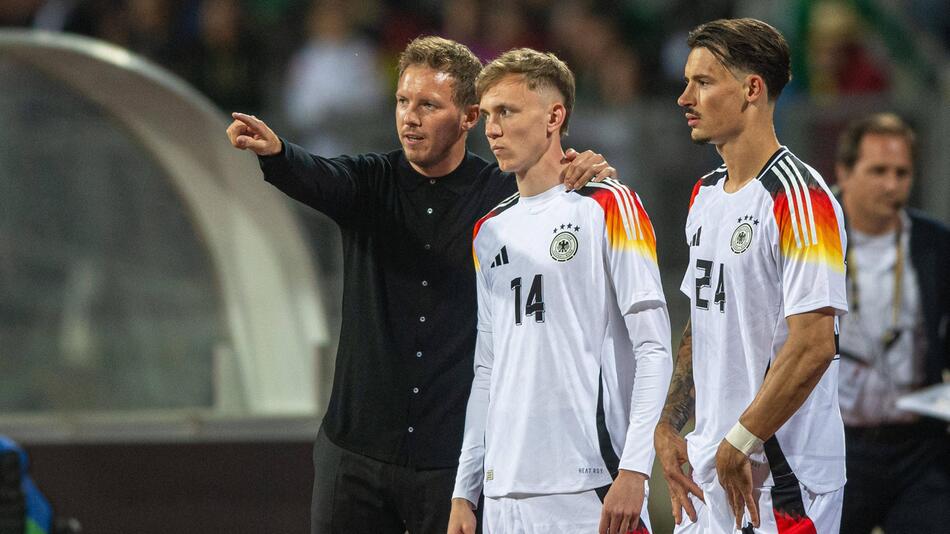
[
  {"x": 540, "y": 69},
  {"x": 747, "y": 45},
  {"x": 849, "y": 143},
  {"x": 447, "y": 56}
]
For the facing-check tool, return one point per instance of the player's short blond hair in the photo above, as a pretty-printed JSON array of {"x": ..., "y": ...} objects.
[
  {"x": 539, "y": 69},
  {"x": 450, "y": 57}
]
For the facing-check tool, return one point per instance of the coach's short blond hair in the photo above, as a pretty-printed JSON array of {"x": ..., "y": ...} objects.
[
  {"x": 447, "y": 56},
  {"x": 539, "y": 69}
]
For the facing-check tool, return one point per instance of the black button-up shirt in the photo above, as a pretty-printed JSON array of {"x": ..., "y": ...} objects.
[{"x": 404, "y": 365}]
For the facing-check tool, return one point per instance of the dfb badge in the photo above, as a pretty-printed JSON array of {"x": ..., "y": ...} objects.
[
  {"x": 741, "y": 238},
  {"x": 564, "y": 244}
]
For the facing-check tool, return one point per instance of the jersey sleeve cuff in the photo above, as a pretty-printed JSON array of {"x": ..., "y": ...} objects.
[
  {"x": 641, "y": 462},
  {"x": 469, "y": 494},
  {"x": 840, "y": 307},
  {"x": 637, "y": 466}
]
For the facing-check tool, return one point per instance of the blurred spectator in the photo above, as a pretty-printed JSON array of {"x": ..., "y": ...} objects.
[
  {"x": 223, "y": 60},
  {"x": 618, "y": 77},
  {"x": 461, "y": 22},
  {"x": 505, "y": 26},
  {"x": 607, "y": 70},
  {"x": 894, "y": 340},
  {"x": 146, "y": 27},
  {"x": 335, "y": 73},
  {"x": 151, "y": 29},
  {"x": 838, "y": 59}
]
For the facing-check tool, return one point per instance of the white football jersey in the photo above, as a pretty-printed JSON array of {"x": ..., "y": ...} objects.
[
  {"x": 758, "y": 255},
  {"x": 562, "y": 397}
]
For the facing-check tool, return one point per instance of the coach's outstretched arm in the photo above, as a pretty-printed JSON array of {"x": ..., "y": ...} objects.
[
  {"x": 796, "y": 370},
  {"x": 670, "y": 446},
  {"x": 329, "y": 185}
]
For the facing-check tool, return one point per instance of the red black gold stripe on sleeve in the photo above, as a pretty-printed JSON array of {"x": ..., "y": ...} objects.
[
  {"x": 628, "y": 225},
  {"x": 502, "y": 206},
  {"x": 803, "y": 209}
]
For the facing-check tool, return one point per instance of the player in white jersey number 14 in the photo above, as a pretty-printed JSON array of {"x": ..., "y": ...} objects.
[{"x": 572, "y": 355}]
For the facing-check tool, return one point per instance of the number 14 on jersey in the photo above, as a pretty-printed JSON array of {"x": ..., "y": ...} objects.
[{"x": 535, "y": 303}]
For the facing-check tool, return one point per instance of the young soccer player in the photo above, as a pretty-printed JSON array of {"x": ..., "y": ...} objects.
[
  {"x": 758, "y": 363},
  {"x": 572, "y": 355}
]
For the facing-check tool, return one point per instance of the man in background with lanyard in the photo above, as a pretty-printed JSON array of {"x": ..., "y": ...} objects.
[{"x": 895, "y": 340}]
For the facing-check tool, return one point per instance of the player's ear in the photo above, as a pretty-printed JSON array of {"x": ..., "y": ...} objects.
[
  {"x": 754, "y": 88},
  {"x": 469, "y": 117},
  {"x": 557, "y": 113}
]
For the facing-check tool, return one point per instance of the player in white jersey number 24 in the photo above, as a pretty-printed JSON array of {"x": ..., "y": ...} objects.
[{"x": 758, "y": 365}]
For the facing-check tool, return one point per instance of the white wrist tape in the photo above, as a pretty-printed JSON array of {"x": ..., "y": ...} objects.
[{"x": 740, "y": 438}]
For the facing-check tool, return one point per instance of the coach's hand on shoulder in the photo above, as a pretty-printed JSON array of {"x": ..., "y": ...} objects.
[
  {"x": 735, "y": 476},
  {"x": 671, "y": 450},
  {"x": 584, "y": 167},
  {"x": 623, "y": 503},
  {"x": 462, "y": 518},
  {"x": 247, "y": 132}
]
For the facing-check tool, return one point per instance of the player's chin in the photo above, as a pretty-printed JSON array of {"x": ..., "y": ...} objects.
[
  {"x": 505, "y": 165},
  {"x": 700, "y": 139}
]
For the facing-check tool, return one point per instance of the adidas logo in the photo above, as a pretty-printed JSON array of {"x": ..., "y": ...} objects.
[
  {"x": 501, "y": 258},
  {"x": 695, "y": 241}
]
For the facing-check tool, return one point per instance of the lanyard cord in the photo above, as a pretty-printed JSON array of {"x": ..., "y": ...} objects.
[{"x": 891, "y": 335}]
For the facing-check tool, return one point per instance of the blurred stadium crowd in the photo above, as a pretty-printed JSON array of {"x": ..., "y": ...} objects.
[{"x": 306, "y": 63}]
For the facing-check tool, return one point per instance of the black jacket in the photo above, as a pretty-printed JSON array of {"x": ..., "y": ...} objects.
[{"x": 930, "y": 256}]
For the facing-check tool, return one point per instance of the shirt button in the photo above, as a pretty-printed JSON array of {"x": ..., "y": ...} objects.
[
  {"x": 415, "y": 390},
  {"x": 411, "y": 429},
  {"x": 429, "y": 211},
  {"x": 425, "y": 283},
  {"x": 419, "y": 354},
  {"x": 422, "y": 319},
  {"x": 427, "y": 246},
  {"x": 431, "y": 180}
]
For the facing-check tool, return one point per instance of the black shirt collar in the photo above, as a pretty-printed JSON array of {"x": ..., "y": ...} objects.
[{"x": 459, "y": 181}]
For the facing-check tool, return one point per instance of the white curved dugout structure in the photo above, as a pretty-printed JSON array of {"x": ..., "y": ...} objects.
[{"x": 274, "y": 325}]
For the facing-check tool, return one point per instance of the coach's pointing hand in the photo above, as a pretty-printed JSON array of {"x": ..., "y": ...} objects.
[{"x": 247, "y": 132}]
